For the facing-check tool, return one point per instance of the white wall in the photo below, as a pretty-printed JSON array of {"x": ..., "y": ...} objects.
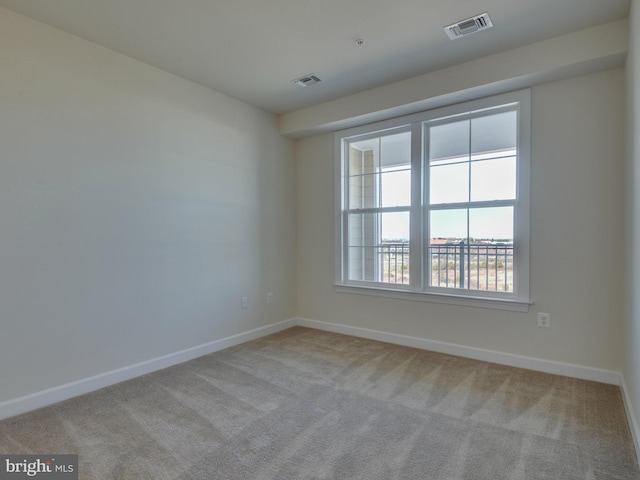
[
  {"x": 631, "y": 345},
  {"x": 576, "y": 226},
  {"x": 136, "y": 208}
]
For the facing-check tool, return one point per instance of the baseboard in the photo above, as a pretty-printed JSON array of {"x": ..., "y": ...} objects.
[
  {"x": 530, "y": 363},
  {"x": 631, "y": 416},
  {"x": 50, "y": 396}
]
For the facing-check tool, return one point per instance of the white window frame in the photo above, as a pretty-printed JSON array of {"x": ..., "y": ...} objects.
[{"x": 418, "y": 288}]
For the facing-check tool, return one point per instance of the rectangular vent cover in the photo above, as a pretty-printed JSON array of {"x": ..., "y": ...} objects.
[
  {"x": 468, "y": 26},
  {"x": 306, "y": 80}
]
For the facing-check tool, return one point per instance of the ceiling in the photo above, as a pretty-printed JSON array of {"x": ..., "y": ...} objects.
[{"x": 252, "y": 49}]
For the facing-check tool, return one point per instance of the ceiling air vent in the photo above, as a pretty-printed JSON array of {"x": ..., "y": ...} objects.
[
  {"x": 306, "y": 80},
  {"x": 468, "y": 26}
]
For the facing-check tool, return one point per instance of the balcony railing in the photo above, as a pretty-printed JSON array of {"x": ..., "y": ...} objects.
[
  {"x": 475, "y": 266},
  {"x": 394, "y": 260}
]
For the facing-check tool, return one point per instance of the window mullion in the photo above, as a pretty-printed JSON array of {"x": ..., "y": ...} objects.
[
  {"x": 379, "y": 210},
  {"x": 343, "y": 202},
  {"x": 478, "y": 204},
  {"x": 463, "y": 250},
  {"x": 416, "y": 238}
]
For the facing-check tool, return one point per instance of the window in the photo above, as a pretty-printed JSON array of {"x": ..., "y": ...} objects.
[
  {"x": 435, "y": 206},
  {"x": 379, "y": 204}
]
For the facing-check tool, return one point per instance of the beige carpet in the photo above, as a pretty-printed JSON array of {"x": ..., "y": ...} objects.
[{"x": 306, "y": 404}]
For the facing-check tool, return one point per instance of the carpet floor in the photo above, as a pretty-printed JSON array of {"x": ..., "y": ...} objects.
[{"x": 307, "y": 404}]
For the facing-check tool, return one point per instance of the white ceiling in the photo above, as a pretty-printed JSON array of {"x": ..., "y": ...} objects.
[{"x": 251, "y": 49}]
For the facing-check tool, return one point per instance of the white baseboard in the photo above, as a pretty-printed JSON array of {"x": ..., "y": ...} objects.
[
  {"x": 513, "y": 360},
  {"x": 530, "y": 363},
  {"x": 631, "y": 416},
  {"x": 53, "y": 395}
]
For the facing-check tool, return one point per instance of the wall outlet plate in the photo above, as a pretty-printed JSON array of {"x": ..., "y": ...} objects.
[
  {"x": 544, "y": 319},
  {"x": 244, "y": 302}
]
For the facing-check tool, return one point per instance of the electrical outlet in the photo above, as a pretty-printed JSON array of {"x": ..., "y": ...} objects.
[
  {"x": 245, "y": 302},
  {"x": 544, "y": 319},
  {"x": 270, "y": 297}
]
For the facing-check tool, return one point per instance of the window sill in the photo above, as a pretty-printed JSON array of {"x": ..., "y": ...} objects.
[{"x": 466, "y": 301}]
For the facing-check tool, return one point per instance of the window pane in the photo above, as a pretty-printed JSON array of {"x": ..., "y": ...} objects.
[
  {"x": 395, "y": 227},
  {"x": 395, "y": 150},
  {"x": 448, "y": 232},
  {"x": 362, "y": 191},
  {"x": 363, "y": 163},
  {"x": 362, "y": 264},
  {"x": 363, "y": 230},
  {"x": 394, "y": 248},
  {"x": 380, "y": 172},
  {"x": 493, "y": 179},
  {"x": 364, "y": 156},
  {"x": 379, "y": 247},
  {"x": 449, "y": 141},
  {"x": 449, "y": 183},
  {"x": 494, "y": 133},
  {"x": 396, "y": 188},
  {"x": 492, "y": 224},
  {"x": 449, "y": 163},
  {"x": 449, "y": 225},
  {"x": 490, "y": 255}
]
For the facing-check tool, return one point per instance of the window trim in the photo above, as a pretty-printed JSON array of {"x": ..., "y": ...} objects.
[{"x": 418, "y": 288}]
